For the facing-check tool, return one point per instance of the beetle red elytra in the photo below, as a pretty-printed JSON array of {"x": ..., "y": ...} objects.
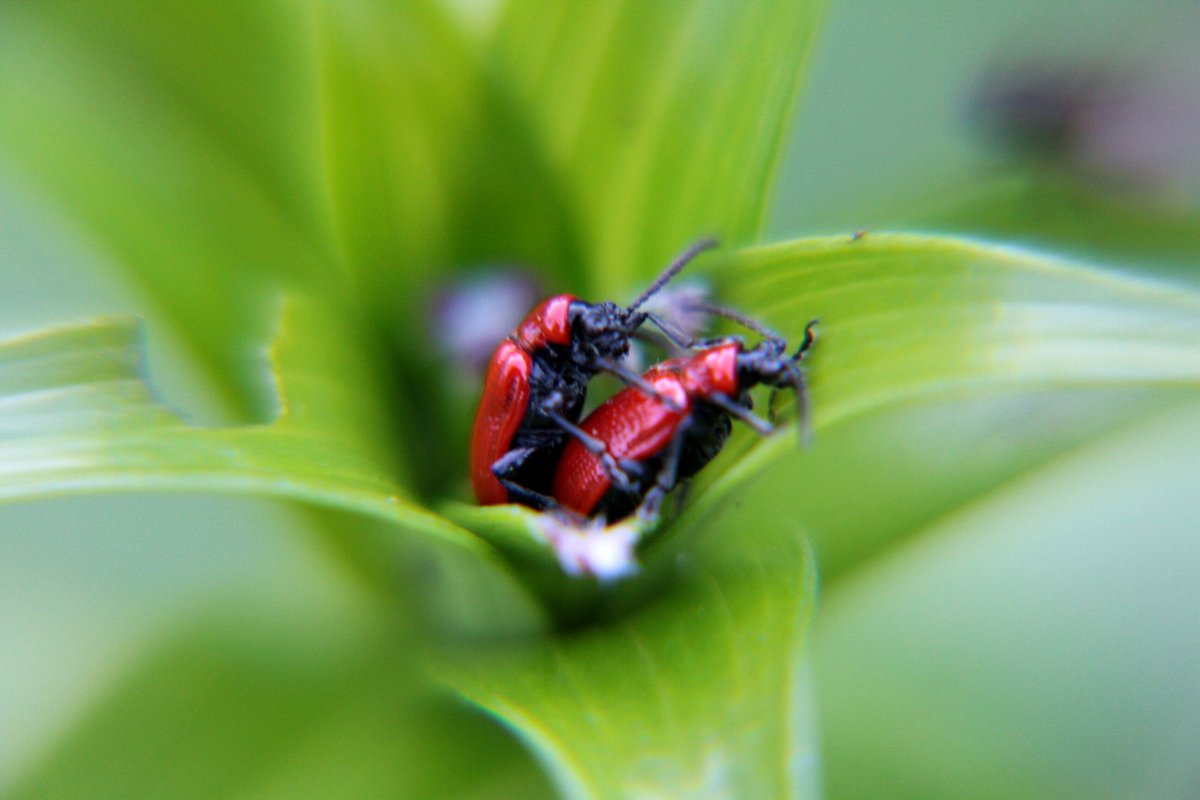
[
  {"x": 654, "y": 445},
  {"x": 536, "y": 384}
]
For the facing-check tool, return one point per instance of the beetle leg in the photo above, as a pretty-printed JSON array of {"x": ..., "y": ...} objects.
[
  {"x": 685, "y": 342},
  {"x": 667, "y": 475},
  {"x": 510, "y": 461},
  {"x": 740, "y": 412},
  {"x": 803, "y": 423},
  {"x": 596, "y": 447},
  {"x": 567, "y": 516},
  {"x": 681, "y": 495},
  {"x": 504, "y": 466},
  {"x": 528, "y": 497},
  {"x": 641, "y": 384},
  {"x": 590, "y": 443},
  {"x": 673, "y": 333}
]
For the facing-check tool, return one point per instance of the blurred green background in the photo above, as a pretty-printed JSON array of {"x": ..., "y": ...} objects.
[{"x": 885, "y": 139}]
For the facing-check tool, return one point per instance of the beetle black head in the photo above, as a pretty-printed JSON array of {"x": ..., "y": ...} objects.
[
  {"x": 600, "y": 331},
  {"x": 768, "y": 363},
  {"x": 765, "y": 363}
]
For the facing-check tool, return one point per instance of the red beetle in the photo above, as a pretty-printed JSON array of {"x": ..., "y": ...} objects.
[
  {"x": 536, "y": 384},
  {"x": 654, "y": 445}
]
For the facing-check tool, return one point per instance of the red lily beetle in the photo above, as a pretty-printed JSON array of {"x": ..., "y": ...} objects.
[
  {"x": 536, "y": 383},
  {"x": 654, "y": 445}
]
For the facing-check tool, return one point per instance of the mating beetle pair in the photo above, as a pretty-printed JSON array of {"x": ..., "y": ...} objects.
[{"x": 528, "y": 445}]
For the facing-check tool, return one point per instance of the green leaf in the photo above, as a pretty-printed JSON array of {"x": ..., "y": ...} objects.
[
  {"x": 77, "y": 415},
  {"x": 906, "y": 318},
  {"x": 432, "y": 170},
  {"x": 314, "y": 699},
  {"x": 183, "y": 139},
  {"x": 921, "y": 462},
  {"x": 665, "y": 119},
  {"x": 905, "y": 315},
  {"x": 701, "y": 693},
  {"x": 431, "y": 167},
  {"x": 1038, "y": 642}
]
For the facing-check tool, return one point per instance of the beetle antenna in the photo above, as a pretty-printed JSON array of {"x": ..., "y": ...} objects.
[
  {"x": 803, "y": 425},
  {"x": 746, "y": 322},
  {"x": 672, "y": 270},
  {"x": 810, "y": 338}
]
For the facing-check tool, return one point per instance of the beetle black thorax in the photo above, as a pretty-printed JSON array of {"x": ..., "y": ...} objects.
[
  {"x": 600, "y": 332},
  {"x": 765, "y": 363},
  {"x": 557, "y": 378}
]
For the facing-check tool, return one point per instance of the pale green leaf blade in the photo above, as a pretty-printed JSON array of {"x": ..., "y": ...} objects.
[
  {"x": 903, "y": 316},
  {"x": 76, "y": 414},
  {"x": 906, "y": 318},
  {"x": 182, "y": 139},
  {"x": 700, "y": 693},
  {"x": 665, "y": 119},
  {"x": 870, "y": 483}
]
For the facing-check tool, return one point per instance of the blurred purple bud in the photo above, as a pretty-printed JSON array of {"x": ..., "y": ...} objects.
[{"x": 471, "y": 315}]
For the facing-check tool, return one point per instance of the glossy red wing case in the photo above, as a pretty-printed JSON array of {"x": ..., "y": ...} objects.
[
  {"x": 501, "y": 409},
  {"x": 548, "y": 323},
  {"x": 633, "y": 425}
]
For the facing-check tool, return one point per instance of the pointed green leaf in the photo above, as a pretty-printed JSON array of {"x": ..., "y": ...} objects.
[
  {"x": 76, "y": 414},
  {"x": 182, "y": 139},
  {"x": 665, "y": 119},
  {"x": 907, "y": 318},
  {"x": 698, "y": 694}
]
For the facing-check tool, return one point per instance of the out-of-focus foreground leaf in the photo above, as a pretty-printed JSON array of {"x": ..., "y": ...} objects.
[
  {"x": 701, "y": 693},
  {"x": 665, "y": 119},
  {"x": 313, "y": 698},
  {"x": 1037, "y": 642},
  {"x": 182, "y": 138}
]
